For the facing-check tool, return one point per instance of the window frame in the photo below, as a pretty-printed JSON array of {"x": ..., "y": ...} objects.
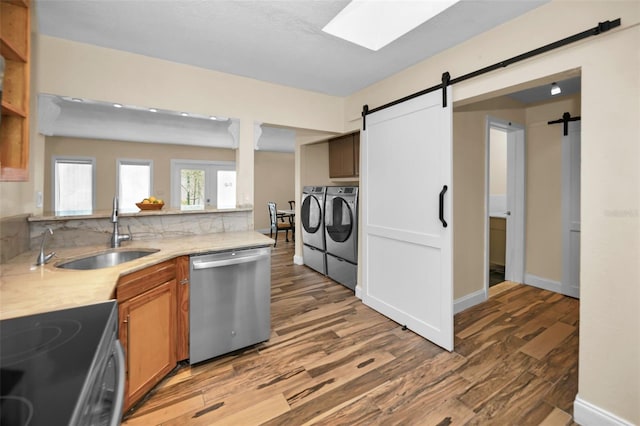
[
  {"x": 77, "y": 160},
  {"x": 134, "y": 162},
  {"x": 211, "y": 168}
]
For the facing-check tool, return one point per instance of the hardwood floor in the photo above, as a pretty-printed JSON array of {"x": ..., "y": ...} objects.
[{"x": 331, "y": 360}]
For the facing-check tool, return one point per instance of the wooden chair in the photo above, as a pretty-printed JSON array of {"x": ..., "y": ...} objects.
[
  {"x": 292, "y": 204},
  {"x": 278, "y": 223}
]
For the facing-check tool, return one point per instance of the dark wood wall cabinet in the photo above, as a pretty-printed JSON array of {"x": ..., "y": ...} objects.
[
  {"x": 15, "y": 31},
  {"x": 344, "y": 156}
]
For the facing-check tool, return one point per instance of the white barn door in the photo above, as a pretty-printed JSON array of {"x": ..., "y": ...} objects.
[
  {"x": 407, "y": 216},
  {"x": 571, "y": 211}
]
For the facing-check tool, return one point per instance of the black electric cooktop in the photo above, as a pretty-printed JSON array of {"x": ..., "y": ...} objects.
[{"x": 45, "y": 360}]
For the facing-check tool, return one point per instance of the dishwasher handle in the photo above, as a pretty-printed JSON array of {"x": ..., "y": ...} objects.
[{"x": 226, "y": 262}]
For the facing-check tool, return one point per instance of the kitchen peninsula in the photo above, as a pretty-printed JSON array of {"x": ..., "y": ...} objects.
[
  {"x": 29, "y": 289},
  {"x": 152, "y": 293},
  {"x": 95, "y": 228}
]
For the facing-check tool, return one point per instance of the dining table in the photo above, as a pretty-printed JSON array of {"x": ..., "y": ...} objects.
[
  {"x": 290, "y": 215},
  {"x": 287, "y": 213}
]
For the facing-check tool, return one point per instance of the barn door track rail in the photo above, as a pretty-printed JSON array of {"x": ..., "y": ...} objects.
[{"x": 447, "y": 80}]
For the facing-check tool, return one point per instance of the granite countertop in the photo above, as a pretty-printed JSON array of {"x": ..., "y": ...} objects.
[
  {"x": 105, "y": 214},
  {"x": 28, "y": 289}
]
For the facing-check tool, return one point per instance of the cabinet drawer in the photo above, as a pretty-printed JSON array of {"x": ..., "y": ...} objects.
[{"x": 138, "y": 282}]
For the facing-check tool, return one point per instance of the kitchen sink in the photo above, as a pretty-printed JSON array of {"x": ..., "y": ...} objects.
[{"x": 106, "y": 259}]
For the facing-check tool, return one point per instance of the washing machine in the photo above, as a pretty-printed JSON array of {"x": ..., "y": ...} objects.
[
  {"x": 341, "y": 233},
  {"x": 312, "y": 219}
]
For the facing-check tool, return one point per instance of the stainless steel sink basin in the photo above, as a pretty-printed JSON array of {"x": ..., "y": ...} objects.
[{"x": 106, "y": 259}]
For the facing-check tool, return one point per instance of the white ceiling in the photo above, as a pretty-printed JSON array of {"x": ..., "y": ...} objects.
[{"x": 275, "y": 41}]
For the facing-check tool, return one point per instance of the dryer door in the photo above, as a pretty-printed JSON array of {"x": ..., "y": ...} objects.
[
  {"x": 339, "y": 217},
  {"x": 311, "y": 214}
]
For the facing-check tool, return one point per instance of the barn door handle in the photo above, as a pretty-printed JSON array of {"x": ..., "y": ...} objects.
[{"x": 444, "y": 222}]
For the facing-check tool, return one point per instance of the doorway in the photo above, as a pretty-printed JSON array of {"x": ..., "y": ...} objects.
[
  {"x": 505, "y": 205},
  {"x": 199, "y": 184}
]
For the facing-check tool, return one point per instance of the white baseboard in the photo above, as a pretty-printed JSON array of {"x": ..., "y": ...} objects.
[
  {"x": 359, "y": 292},
  {"x": 542, "y": 283},
  {"x": 587, "y": 414},
  {"x": 471, "y": 299},
  {"x": 298, "y": 260}
]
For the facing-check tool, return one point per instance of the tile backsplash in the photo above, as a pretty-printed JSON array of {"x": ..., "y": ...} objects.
[
  {"x": 14, "y": 237},
  {"x": 87, "y": 231}
]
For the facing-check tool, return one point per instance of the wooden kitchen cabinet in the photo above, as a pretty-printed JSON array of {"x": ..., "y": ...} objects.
[
  {"x": 148, "y": 327},
  {"x": 344, "y": 156},
  {"x": 356, "y": 154},
  {"x": 497, "y": 240},
  {"x": 182, "y": 277},
  {"x": 15, "y": 31}
]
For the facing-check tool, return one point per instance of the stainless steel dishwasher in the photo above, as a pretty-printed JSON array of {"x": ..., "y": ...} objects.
[{"x": 230, "y": 301}]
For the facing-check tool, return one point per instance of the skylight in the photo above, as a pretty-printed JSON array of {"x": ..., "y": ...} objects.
[{"x": 375, "y": 23}]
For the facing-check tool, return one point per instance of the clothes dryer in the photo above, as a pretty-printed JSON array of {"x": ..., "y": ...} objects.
[
  {"x": 341, "y": 222},
  {"x": 341, "y": 234},
  {"x": 313, "y": 235}
]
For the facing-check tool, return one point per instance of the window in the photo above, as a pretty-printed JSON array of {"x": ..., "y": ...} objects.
[
  {"x": 226, "y": 197},
  {"x": 73, "y": 185},
  {"x": 196, "y": 185},
  {"x": 134, "y": 182}
]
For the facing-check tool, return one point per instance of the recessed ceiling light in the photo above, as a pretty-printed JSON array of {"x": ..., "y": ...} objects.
[
  {"x": 184, "y": 114},
  {"x": 76, "y": 100},
  {"x": 555, "y": 89},
  {"x": 213, "y": 117},
  {"x": 374, "y": 24},
  {"x": 153, "y": 110},
  {"x": 117, "y": 105}
]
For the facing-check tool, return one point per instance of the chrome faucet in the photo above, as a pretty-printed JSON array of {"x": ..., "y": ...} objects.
[
  {"x": 44, "y": 258},
  {"x": 116, "y": 237}
]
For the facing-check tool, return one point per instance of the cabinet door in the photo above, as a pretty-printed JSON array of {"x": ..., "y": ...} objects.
[
  {"x": 341, "y": 160},
  {"x": 356, "y": 154},
  {"x": 148, "y": 336},
  {"x": 15, "y": 24},
  {"x": 182, "y": 276}
]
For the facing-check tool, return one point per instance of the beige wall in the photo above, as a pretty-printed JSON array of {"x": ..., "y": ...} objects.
[
  {"x": 543, "y": 236},
  {"x": 314, "y": 167},
  {"x": 68, "y": 68},
  {"x": 469, "y": 149},
  {"x": 107, "y": 152},
  {"x": 543, "y": 245},
  {"x": 609, "y": 372},
  {"x": 274, "y": 181}
]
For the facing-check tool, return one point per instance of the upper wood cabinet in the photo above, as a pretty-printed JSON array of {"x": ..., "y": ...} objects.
[
  {"x": 15, "y": 30},
  {"x": 344, "y": 156}
]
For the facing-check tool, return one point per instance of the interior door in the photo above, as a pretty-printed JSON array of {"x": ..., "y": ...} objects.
[
  {"x": 571, "y": 211},
  {"x": 407, "y": 216},
  {"x": 516, "y": 175}
]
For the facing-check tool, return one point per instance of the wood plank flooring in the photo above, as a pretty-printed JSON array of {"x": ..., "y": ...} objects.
[{"x": 331, "y": 360}]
